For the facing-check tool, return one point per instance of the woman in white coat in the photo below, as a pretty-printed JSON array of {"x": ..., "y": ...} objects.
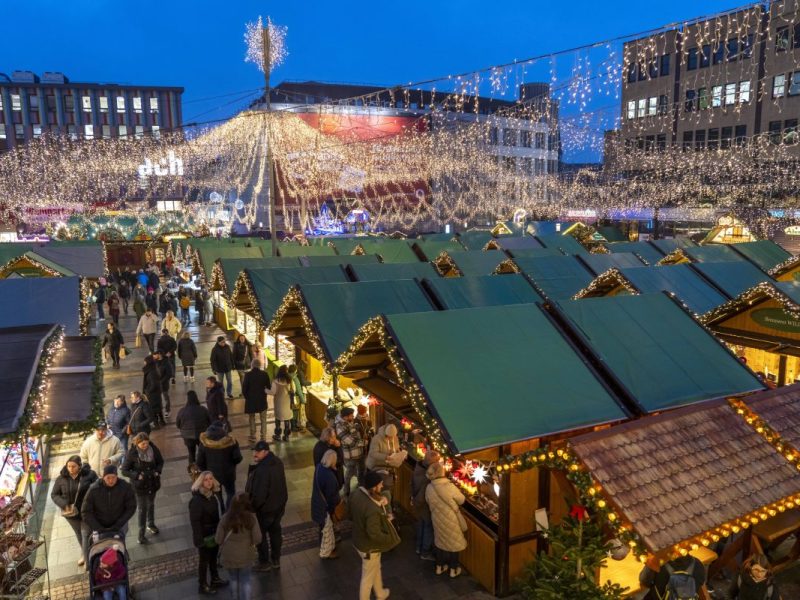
[
  {"x": 444, "y": 500},
  {"x": 280, "y": 391}
]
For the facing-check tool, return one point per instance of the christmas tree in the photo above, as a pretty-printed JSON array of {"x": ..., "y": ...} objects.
[{"x": 567, "y": 570}]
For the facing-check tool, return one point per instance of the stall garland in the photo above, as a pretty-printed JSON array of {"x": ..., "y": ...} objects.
[
  {"x": 677, "y": 256},
  {"x": 85, "y": 291},
  {"x": 445, "y": 265},
  {"x": 613, "y": 275},
  {"x": 748, "y": 297},
  {"x": 295, "y": 298},
  {"x": 781, "y": 268},
  {"x": 244, "y": 284}
]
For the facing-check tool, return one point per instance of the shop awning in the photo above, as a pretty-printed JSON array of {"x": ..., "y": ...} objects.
[
  {"x": 644, "y": 250},
  {"x": 392, "y": 271},
  {"x": 285, "y": 249},
  {"x": 475, "y": 239},
  {"x": 41, "y": 300},
  {"x": 558, "y": 277},
  {"x": 347, "y": 259},
  {"x": 474, "y": 262},
  {"x": 427, "y": 250},
  {"x": 712, "y": 253},
  {"x": 600, "y": 263},
  {"x": 687, "y": 285},
  {"x": 486, "y": 290},
  {"x": 40, "y": 260},
  {"x": 566, "y": 243},
  {"x": 786, "y": 293},
  {"x": 389, "y": 250},
  {"x": 662, "y": 356},
  {"x": 764, "y": 254},
  {"x": 86, "y": 261},
  {"x": 733, "y": 277},
  {"x": 499, "y": 374},
  {"x": 684, "y": 473},
  {"x": 208, "y": 255},
  {"x": 230, "y": 268}
]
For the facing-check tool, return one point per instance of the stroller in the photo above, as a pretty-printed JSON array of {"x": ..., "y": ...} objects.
[{"x": 103, "y": 542}]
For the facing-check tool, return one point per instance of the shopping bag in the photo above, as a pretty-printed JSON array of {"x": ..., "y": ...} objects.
[{"x": 138, "y": 343}]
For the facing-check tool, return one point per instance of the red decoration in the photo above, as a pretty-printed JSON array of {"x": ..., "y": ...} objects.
[{"x": 579, "y": 512}]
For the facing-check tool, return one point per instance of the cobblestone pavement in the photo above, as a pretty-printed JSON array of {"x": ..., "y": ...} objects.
[{"x": 165, "y": 567}]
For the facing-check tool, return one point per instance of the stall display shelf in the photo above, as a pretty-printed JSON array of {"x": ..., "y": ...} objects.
[{"x": 21, "y": 587}]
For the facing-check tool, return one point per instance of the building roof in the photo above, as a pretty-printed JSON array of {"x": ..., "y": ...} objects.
[
  {"x": 733, "y": 277},
  {"x": 208, "y": 254},
  {"x": 517, "y": 242},
  {"x": 347, "y": 259},
  {"x": 600, "y": 263},
  {"x": 644, "y": 250},
  {"x": 665, "y": 246},
  {"x": 11, "y": 250},
  {"x": 557, "y": 277},
  {"x": 787, "y": 293},
  {"x": 389, "y": 250},
  {"x": 486, "y": 290},
  {"x": 41, "y": 300},
  {"x": 391, "y": 271},
  {"x": 566, "y": 243},
  {"x": 712, "y": 253},
  {"x": 429, "y": 250},
  {"x": 342, "y": 245},
  {"x": 71, "y": 382},
  {"x": 475, "y": 239},
  {"x": 532, "y": 252},
  {"x": 612, "y": 234},
  {"x": 474, "y": 262},
  {"x": 687, "y": 285},
  {"x": 764, "y": 254},
  {"x": 85, "y": 260},
  {"x": 288, "y": 249},
  {"x": 230, "y": 268},
  {"x": 658, "y": 352},
  {"x": 780, "y": 409},
  {"x": 531, "y": 398},
  {"x": 681, "y": 474}
]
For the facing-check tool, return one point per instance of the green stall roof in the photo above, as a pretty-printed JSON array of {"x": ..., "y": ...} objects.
[
  {"x": 437, "y": 237},
  {"x": 600, "y": 263},
  {"x": 285, "y": 249},
  {"x": 712, "y": 253},
  {"x": 477, "y": 262},
  {"x": 731, "y": 277},
  {"x": 511, "y": 395},
  {"x": 649, "y": 253},
  {"x": 791, "y": 289},
  {"x": 566, "y": 243},
  {"x": 764, "y": 253},
  {"x": 345, "y": 245},
  {"x": 209, "y": 254},
  {"x": 559, "y": 277},
  {"x": 661, "y": 355},
  {"x": 430, "y": 250},
  {"x": 532, "y": 252},
  {"x": 270, "y": 286},
  {"x": 347, "y": 259},
  {"x": 388, "y": 272},
  {"x": 339, "y": 310},
  {"x": 9, "y": 250},
  {"x": 231, "y": 267},
  {"x": 389, "y": 250},
  {"x": 516, "y": 243},
  {"x": 612, "y": 234},
  {"x": 687, "y": 285},
  {"x": 665, "y": 246},
  {"x": 486, "y": 290},
  {"x": 475, "y": 239}
]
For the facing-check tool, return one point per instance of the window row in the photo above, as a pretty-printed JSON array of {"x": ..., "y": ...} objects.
[
  {"x": 720, "y": 95},
  {"x": 779, "y": 85},
  {"x": 787, "y": 38},
  {"x": 104, "y": 131},
  {"x": 732, "y": 50},
  {"x": 783, "y": 132},
  {"x": 658, "y": 66},
  {"x": 647, "y": 107},
  {"x": 526, "y": 139},
  {"x": 86, "y": 103},
  {"x": 715, "y": 138}
]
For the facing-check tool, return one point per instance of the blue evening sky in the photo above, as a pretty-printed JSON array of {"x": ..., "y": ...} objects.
[{"x": 198, "y": 44}]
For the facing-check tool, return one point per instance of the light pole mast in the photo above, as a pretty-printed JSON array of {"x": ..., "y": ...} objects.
[{"x": 273, "y": 234}]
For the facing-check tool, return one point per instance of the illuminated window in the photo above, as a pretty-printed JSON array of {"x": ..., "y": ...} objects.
[
  {"x": 794, "y": 83},
  {"x": 154, "y": 105},
  {"x": 779, "y": 86},
  {"x": 1, "y": 102},
  {"x": 103, "y": 104},
  {"x": 139, "y": 132},
  {"x": 120, "y": 104},
  {"x": 86, "y": 102},
  {"x": 71, "y": 132},
  {"x": 156, "y": 132},
  {"x": 744, "y": 91},
  {"x": 641, "y": 108},
  {"x": 632, "y": 109},
  {"x": 702, "y": 98},
  {"x": 790, "y": 131},
  {"x": 168, "y": 205},
  {"x": 88, "y": 132},
  {"x": 730, "y": 94},
  {"x": 19, "y": 132},
  {"x": 663, "y": 104},
  {"x": 137, "y": 104},
  {"x": 37, "y": 131},
  {"x": 16, "y": 103},
  {"x": 652, "y": 106},
  {"x": 106, "y": 131},
  {"x": 123, "y": 131},
  {"x": 2, "y": 131}
]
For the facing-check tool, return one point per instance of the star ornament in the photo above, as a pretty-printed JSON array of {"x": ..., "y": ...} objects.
[{"x": 480, "y": 474}]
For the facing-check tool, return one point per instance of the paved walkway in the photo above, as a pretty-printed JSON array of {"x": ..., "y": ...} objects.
[{"x": 165, "y": 567}]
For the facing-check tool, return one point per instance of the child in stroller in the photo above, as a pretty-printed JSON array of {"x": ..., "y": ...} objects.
[{"x": 110, "y": 575}]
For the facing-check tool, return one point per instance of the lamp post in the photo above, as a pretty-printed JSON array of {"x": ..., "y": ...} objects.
[{"x": 273, "y": 234}]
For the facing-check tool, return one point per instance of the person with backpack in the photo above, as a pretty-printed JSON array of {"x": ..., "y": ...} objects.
[
  {"x": 679, "y": 579},
  {"x": 755, "y": 581},
  {"x": 185, "y": 303}
]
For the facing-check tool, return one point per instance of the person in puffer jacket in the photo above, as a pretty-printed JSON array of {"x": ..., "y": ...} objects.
[{"x": 219, "y": 453}]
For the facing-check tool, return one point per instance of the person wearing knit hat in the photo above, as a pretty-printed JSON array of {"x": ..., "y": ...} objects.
[
  {"x": 110, "y": 575},
  {"x": 371, "y": 480},
  {"x": 219, "y": 453}
]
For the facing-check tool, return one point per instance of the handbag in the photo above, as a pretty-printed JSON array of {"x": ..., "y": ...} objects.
[
  {"x": 462, "y": 522},
  {"x": 138, "y": 342},
  {"x": 70, "y": 510},
  {"x": 340, "y": 512},
  {"x": 128, "y": 428}
]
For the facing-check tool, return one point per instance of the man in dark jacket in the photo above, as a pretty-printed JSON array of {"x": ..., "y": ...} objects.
[
  {"x": 141, "y": 416},
  {"x": 165, "y": 374},
  {"x": 255, "y": 386},
  {"x": 266, "y": 486},
  {"x": 151, "y": 387},
  {"x": 192, "y": 421},
  {"x": 150, "y": 300},
  {"x": 219, "y": 453},
  {"x": 118, "y": 418},
  {"x": 419, "y": 482},
  {"x": 222, "y": 363},
  {"x": 215, "y": 400},
  {"x": 109, "y": 504}
]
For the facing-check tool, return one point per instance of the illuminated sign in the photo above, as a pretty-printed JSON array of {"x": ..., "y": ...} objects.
[
  {"x": 792, "y": 230},
  {"x": 582, "y": 214},
  {"x": 777, "y": 319},
  {"x": 171, "y": 165}
]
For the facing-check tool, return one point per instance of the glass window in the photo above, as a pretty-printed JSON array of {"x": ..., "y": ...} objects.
[
  {"x": 744, "y": 91},
  {"x": 37, "y": 131},
  {"x": 33, "y": 101},
  {"x": 730, "y": 94},
  {"x": 120, "y": 104},
  {"x": 689, "y": 105},
  {"x": 509, "y": 137},
  {"x": 741, "y": 135},
  {"x": 539, "y": 138},
  {"x": 51, "y": 104},
  {"x": 665, "y": 65},
  {"x": 139, "y": 132},
  {"x": 652, "y": 68},
  {"x": 713, "y": 139},
  {"x": 88, "y": 132},
  {"x": 71, "y": 132},
  {"x": 716, "y": 96},
  {"x": 727, "y": 135},
  {"x": 2, "y": 131},
  {"x": 747, "y": 46},
  {"x": 525, "y": 138},
  {"x": 1, "y": 101},
  {"x": 641, "y": 108},
  {"x": 691, "y": 59},
  {"x": 69, "y": 103},
  {"x": 774, "y": 132},
  {"x": 631, "y": 109},
  {"x": 652, "y": 106},
  {"x": 19, "y": 132},
  {"x": 649, "y": 142},
  {"x": 797, "y": 35},
  {"x": 103, "y": 100},
  {"x": 790, "y": 131},
  {"x": 86, "y": 102},
  {"x": 632, "y": 73},
  {"x": 16, "y": 103},
  {"x": 781, "y": 39},
  {"x": 156, "y": 132},
  {"x": 794, "y": 83},
  {"x": 733, "y": 49},
  {"x": 663, "y": 104},
  {"x": 661, "y": 142},
  {"x": 137, "y": 104},
  {"x": 640, "y": 72},
  {"x": 778, "y": 86},
  {"x": 493, "y": 136},
  {"x": 702, "y": 98},
  {"x": 688, "y": 139},
  {"x": 123, "y": 131},
  {"x": 154, "y": 104},
  {"x": 699, "y": 139},
  {"x": 705, "y": 56},
  {"x": 106, "y": 131},
  {"x": 719, "y": 53}
]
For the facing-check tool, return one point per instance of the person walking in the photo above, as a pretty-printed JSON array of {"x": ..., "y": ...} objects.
[
  {"x": 200, "y": 307},
  {"x": 209, "y": 312},
  {"x": 242, "y": 357},
  {"x": 298, "y": 398},
  {"x": 165, "y": 375},
  {"x": 280, "y": 391},
  {"x": 215, "y": 400},
  {"x": 151, "y": 300},
  {"x": 238, "y": 535},
  {"x": 205, "y": 512},
  {"x": 113, "y": 307},
  {"x": 143, "y": 467},
  {"x": 219, "y": 453},
  {"x": 151, "y": 386},
  {"x": 108, "y": 506},
  {"x": 424, "y": 525},
  {"x": 137, "y": 296},
  {"x": 147, "y": 328},
  {"x": 255, "y": 386},
  {"x": 329, "y": 441},
  {"x": 192, "y": 421},
  {"x": 266, "y": 487},
  {"x": 68, "y": 493},
  {"x": 755, "y": 581},
  {"x": 113, "y": 341},
  {"x": 222, "y": 363},
  {"x": 352, "y": 446},
  {"x": 187, "y": 352},
  {"x": 168, "y": 347},
  {"x": 125, "y": 294},
  {"x": 444, "y": 500},
  {"x": 324, "y": 500},
  {"x": 118, "y": 418},
  {"x": 185, "y": 304},
  {"x": 373, "y": 534},
  {"x": 100, "y": 297},
  {"x": 101, "y": 449},
  {"x": 141, "y": 416}
]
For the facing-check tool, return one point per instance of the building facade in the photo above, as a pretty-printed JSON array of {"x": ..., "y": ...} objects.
[{"x": 31, "y": 106}]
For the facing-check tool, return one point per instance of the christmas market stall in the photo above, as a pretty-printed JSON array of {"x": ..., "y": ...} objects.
[
  {"x": 289, "y": 249},
  {"x": 733, "y": 277},
  {"x": 532, "y": 252},
  {"x": 206, "y": 255},
  {"x": 668, "y": 245},
  {"x": 428, "y": 250},
  {"x": 389, "y": 250},
  {"x": 712, "y": 253},
  {"x": 327, "y": 261},
  {"x": 32, "y": 264},
  {"x": 554, "y": 277},
  {"x": 762, "y": 325},
  {"x": 765, "y": 254},
  {"x": 788, "y": 270},
  {"x": 476, "y": 239},
  {"x": 388, "y": 272},
  {"x": 226, "y": 270},
  {"x": 321, "y": 321},
  {"x": 470, "y": 262},
  {"x": 566, "y": 243},
  {"x": 487, "y": 290},
  {"x": 508, "y": 243},
  {"x": 645, "y": 251},
  {"x": 600, "y": 263},
  {"x": 36, "y": 300}
]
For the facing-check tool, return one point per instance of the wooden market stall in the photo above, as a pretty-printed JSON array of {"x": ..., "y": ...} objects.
[
  {"x": 732, "y": 277},
  {"x": 508, "y": 243},
  {"x": 327, "y": 261},
  {"x": 427, "y": 250},
  {"x": 387, "y": 249},
  {"x": 564, "y": 242},
  {"x": 450, "y": 293},
  {"x": 712, "y": 253},
  {"x": 35, "y": 300},
  {"x": 390, "y": 271},
  {"x": 554, "y": 277},
  {"x": 600, "y": 263},
  {"x": 476, "y": 239},
  {"x": 645, "y": 251},
  {"x": 788, "y": 270},
  {"x": 470, "y": 262}
]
